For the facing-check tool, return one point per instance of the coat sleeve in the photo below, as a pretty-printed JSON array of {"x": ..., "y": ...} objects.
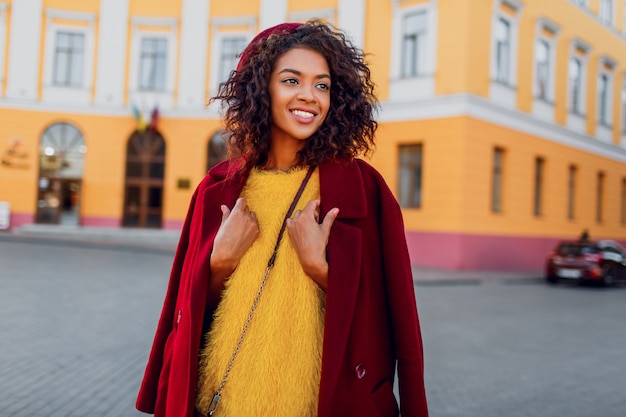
[
  {"x": 403, "y": 310},
  {"x": 146, "y": 398}
]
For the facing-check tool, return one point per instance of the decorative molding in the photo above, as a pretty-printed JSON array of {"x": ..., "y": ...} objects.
[
  {"x": 154, "y": 21},
  {"x": 607, "y": 61},
  {"x": 480, "y": 108},
  {"x": 548, "y": 24},
  {"x": 69, "y": 15},
  {"x": 585, "y": 9},
  {"x": 582, "y": 45},
  {"x": 234, "y": 21},
  {"x": 516, "y": 5}
]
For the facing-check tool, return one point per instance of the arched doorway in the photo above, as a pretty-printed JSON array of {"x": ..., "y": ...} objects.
[
  {"x": 61, "y": 160},
  {"x": 143, "y": 189},
  {"x": 217, "y": 148}
]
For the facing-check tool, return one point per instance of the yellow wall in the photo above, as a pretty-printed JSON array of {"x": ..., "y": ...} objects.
[
  {"x": 103, "y": 178},
  {"x": 151, "y": 8},
  {"x": 377, "y": 43},
  {"x": 457, "y": 175},
  {"x": 90, "y": 6},
  {"x": 304, "y": 6},
  {"x": 463, "y": 53}
]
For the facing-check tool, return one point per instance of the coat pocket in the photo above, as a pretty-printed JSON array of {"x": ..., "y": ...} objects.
[{"x": 385, "y": 401}]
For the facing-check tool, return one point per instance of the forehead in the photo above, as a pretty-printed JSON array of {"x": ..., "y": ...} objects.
[{"x": 303, "y": 60}]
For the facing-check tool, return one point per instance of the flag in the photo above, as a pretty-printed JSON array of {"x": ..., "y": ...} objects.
[
  {"x": 141, "y": 123},
  {"x": 154, "y": 120}
]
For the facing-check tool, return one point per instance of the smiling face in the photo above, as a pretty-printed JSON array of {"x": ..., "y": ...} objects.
[{"x": 299, "y": 91}]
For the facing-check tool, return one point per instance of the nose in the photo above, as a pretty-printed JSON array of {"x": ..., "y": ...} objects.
[{"x": 307, "y": 93}]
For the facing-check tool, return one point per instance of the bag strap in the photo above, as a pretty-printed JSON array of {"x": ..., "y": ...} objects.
[{"x": 270, "y": 263}]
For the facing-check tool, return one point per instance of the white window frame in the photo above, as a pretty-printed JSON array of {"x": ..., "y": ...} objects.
[
  {"x": 576, "y": 120},
  {"x": 150, "y": 99},
  {"x": 543, "y": 107},
  {"x": 86, "y": 27},
  {"x": 423, "y": 85},
  {"x": 220, "y": 31},
  {"x": 607, "y": 12},
  {"x": 3, "y": 39},
  {"x": 152, "y": 64},
  {"x": 504, "y": 91},
  {"x": 223, "y": 72},
  {"x": 604, "y": 128}
]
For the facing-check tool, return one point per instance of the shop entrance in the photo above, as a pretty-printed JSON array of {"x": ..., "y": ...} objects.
[
  {"x": 143, "y": 190},
  {"x": 61, "y": 157}
]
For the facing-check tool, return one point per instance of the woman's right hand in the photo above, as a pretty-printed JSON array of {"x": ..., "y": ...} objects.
[{"x": 237, "y": 232}]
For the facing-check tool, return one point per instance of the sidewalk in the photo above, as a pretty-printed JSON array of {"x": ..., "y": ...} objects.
[
  {"x": 166, "y": 240},
  {"x": 149, "y": 239}
]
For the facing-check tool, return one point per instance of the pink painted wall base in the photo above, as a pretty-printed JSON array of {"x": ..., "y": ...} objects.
[{"x": 486, "y": 252}]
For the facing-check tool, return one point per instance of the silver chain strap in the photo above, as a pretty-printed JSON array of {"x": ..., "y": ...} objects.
[{"x": 218, "y": 395}]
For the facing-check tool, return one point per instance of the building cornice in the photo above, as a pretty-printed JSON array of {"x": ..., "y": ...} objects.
[{"x": 482, "y": 109}]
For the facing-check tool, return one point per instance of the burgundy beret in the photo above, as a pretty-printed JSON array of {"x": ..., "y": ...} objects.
[{"x": 283, "y": 29}]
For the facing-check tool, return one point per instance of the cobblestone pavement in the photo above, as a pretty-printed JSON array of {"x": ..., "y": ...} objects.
[{"x": 77, "y": 319}]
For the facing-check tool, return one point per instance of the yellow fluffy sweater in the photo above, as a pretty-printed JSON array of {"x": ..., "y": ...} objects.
[{"x": 277, "y": 370}]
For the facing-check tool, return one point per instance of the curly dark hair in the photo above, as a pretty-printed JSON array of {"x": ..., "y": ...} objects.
[{"x": 349, "y": 127}]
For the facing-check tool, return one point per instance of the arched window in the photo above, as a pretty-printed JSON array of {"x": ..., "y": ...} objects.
[
  {"x": 145, "y": 169},
  {"x": 61, "y": 159},
  {"x": 217, "y": 148}
]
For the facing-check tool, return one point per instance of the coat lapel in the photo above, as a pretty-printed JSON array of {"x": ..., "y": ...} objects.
[{"x": 344, "y": 257}]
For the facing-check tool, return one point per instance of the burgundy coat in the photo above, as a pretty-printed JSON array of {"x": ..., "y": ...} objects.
[{"x": 371, "y": 317}]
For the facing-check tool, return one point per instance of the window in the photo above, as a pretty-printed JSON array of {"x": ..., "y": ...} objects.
[
  {"x": 545, "y": 47},
  {"x": 152, "y": 64},
  {"x": 503, "y": 50},
  {"x": 603, "y": 99},
  {"x": 68, "y": 59},
  {"x": 571, "y": 192},
  {"x": 600, "y": 197},
  {"x": 410, "y": 176},
  {"x": 229, "y": 37},
  {"x": 606, "y": 11},
  {"x": 503, "y": 59},
  {"x": 542, "y": 62},
  {"x": 413, "y": 51},
  {"x": 496, "y": 184},
  {"x": 539, "y": 166},
  {"x": 230, "y": 51},
  {"x": 576, "y": 84},
  {"x": 413, "y": 43}
]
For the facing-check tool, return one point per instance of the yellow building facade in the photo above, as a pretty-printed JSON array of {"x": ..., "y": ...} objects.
[{"x": 502, "y": 122}]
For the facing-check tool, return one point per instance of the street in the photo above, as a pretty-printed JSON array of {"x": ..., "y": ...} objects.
[{"x": 77, "y": 322}]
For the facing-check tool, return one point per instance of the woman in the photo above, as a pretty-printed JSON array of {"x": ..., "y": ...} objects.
[{"x": 319, "y": 331}]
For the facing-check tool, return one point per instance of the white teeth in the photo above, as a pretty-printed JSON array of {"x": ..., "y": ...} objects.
[{"x": 304, "y": 114}]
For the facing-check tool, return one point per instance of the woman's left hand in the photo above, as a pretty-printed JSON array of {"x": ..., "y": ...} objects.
[{"x": 309, "y": 238}]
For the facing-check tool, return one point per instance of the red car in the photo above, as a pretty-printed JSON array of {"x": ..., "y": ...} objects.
[{"x": 602, "y": 262}]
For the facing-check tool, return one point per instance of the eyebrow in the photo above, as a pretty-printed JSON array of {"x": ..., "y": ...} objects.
[{"x": 300, "y": 73}]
